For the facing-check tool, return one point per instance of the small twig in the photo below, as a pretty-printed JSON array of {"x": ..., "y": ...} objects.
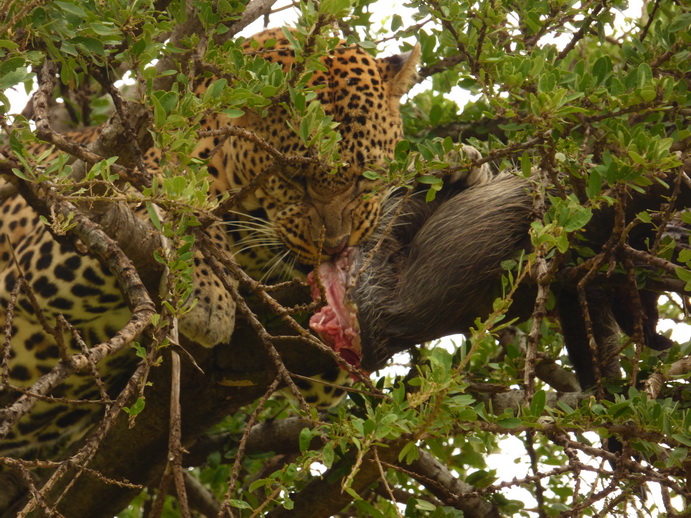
[
  {"x": 653, "y": 384},
  {"x": 228, "y": 267},
  {"x": 225, "y": 507},
  {"x": 175, "y": 449},
  {"x": 161, "y": 492},
  {"x": 93, "y": 441},
  {"x": 265, "y": 338},
  {"x": 544, "y": 276},
  {"x": 47, "y": 79},
  {"x": 539, "y": 491},
  {"x": 462, "y": 49},
  {"x": 585, "y": 25},
  {"x": 9, "y": 320},
  {"x": 647, "y": 258},
  {"x": 385, "y": 482},
  {"x": 638, "y": 336},
  {"x": 651, "y": 19},
  {"x": 134, "y": 292},
  {"x": 36, "y": 495}
]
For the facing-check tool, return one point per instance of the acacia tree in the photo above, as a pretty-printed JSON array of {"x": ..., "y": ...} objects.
[{"x": 595, "y": 120}]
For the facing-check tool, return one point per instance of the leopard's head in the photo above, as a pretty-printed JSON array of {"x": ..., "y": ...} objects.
[{"x": 317, "y": 213}]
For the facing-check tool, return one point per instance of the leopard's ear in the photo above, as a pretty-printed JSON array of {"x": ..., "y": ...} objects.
[{"x": 399, "y": 71}]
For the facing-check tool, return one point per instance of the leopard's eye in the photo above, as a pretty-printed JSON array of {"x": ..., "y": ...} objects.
[{"x": 294, "y": 177}]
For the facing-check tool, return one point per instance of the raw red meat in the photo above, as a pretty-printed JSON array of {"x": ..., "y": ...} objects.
[{"x": 336, "y": 322}]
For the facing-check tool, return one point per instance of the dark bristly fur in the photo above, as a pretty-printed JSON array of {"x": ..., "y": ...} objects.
[{"x": 440, "y": 267}]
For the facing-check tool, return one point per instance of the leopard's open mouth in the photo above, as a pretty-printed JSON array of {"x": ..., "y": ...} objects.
[{"x": 336, "y": 323}]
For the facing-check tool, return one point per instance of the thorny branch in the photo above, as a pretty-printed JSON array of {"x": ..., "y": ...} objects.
[
  {"x": 265, "y": 338},
  {"x": 679, "y": 368},
  {"x": 225, "y": 508},
  {"x": 583, "y": 30},
  {"x": 133, "y": 290},
  {"x": 255, "y": 287},
  {"x": 175, "y": 433},
  {"x": 47, "y": 79},
  {"x": 89, "y": 449},
  {"x": 543, "y": 274}
]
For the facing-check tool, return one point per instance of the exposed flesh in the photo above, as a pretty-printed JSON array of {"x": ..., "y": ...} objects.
[{"x": 336, "y": 322}]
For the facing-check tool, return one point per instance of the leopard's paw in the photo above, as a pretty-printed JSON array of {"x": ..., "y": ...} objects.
[{"x": 211, "y": 320}]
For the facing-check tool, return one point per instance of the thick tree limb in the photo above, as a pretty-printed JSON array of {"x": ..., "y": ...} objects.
[
  {"x": 439, "y": 481},
  {"x": 201, "y": 499},
  {"x": 255, "y": 9}
]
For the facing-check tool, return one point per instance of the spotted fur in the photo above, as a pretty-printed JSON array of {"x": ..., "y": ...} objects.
[{"x": 298, "y": 206}]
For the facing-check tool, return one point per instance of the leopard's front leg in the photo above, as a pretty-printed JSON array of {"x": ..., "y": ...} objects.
[{"x": 211, "y": 319}]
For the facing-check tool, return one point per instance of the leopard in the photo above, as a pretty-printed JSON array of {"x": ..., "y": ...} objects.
[{"x": 312, "y": 215}]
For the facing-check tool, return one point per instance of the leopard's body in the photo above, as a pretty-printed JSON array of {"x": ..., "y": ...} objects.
[{"x": 312, "y": 213}]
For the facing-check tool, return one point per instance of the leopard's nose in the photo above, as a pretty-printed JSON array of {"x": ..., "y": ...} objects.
[{"x": 335, "y": 249}]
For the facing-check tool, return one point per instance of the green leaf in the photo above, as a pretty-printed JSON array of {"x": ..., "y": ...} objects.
[
  {"x": 7, "y": 44},
  {"x": 648, "y": 93},
  {"x": 594, "y": 187},
  {"x": 602, "y": 69},
  {"x": 233, "y": 113},
  {"x": 71, "y": 8},
  {"x": 683, "y": 439},
  {"x": 160, "y": 114},
  {"x": 564, "y": 407},
  {"x": 366, "y": 44},
  {"x": 328, "y": 455},
  {"x": 537, "y": 405},
  {"x": 644, "y": 75},
  {"x": 510, "y": 422},
  {"x": 526, "y": 165},
  {"x": 215, "y": 90},
  {"x": 409, "y": 452},
  {"x": 424, "y": 505},
  {"x": 353, "y": 493},
  {"x": 684, "y": 275},
  {"x": 680, "y": 21},
  {"x": 91, "y": 45},
  {"x": 19, "y": 173},
  {"x": 258, "y": 484},
  {"x": 372, "y": 175},
  {"x": 240, "y": 504},
  {"x": 168, "y": 100},
  {"x": 636, "y": 157},
  {"x": 12, "y": 71},
  {"x": 430, "y": 180},
  {"x": 644, "y": 217},
  {"x": 367, "y": 509},
  {"x": 136, "y": 407},
  {"x": 480, "y": 478},
  {"x": 578, "y": 219},
  {"x": 562, "y": 242},
  {"x": 435, "y": 114},
  {"x": 305, "y": 439},
  {"x": 153, "y": 215},
  {"x": 104, "y": 29},
  {"x": 431, "y": 195},
  {"x": 333, "y": 7}
]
